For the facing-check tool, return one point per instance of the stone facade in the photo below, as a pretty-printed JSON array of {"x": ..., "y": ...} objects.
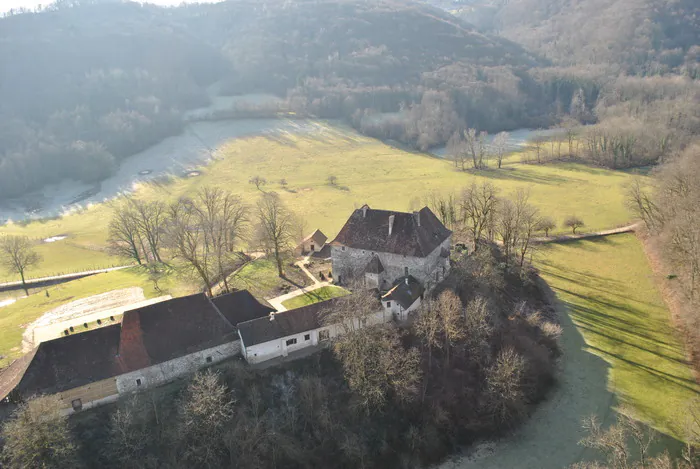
[
  {"x": 167, "y": 371},
  {"x": 349, "y": 264}
]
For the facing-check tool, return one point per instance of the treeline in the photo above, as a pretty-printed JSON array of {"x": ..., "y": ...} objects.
[
  {"x": 471, "y": 366},
  {"x": 670, "y": 209}
]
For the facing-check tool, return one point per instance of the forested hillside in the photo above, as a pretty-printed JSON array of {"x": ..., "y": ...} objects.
[
  {"x": 643, "y": 37},
  {"x": 93, "y": 83}
]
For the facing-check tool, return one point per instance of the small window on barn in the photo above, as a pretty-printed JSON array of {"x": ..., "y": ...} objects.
[
  {"x": 343, "y": 248},
  {"x": 291, "y": 341},
  {"x": 138, "y": 382},
  {"x": 77, "y": 404},
  {"x": 388, "y": 304},
  {"x": 405, "y": 271},
  {"x": 323, "y": 335},
  {"x": 208, "y": 359},
  {"x": 307, "y": 336}
]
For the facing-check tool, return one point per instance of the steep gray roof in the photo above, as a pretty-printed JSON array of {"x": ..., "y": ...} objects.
[
  {"x": 294, "y": 321},
  {"x": 412, "y": 234},
  {"x": 406, "y": 291},
  {"x": 241, "y": 306}
]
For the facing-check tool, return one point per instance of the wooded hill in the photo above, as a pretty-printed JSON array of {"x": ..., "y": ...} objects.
[
  {"x": 93, "y": 83},
  {"x": 643, "y": 37}
]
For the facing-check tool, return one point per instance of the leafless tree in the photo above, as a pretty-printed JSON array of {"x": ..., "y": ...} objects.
[
  {"x": 505, "y": 397},
  {"x": 477, "y": 206},
  {"x": 206, "y": 411},
  {"x": 125, "y": 238},
  {"x": 332, "y": 180},
  {"x": 17, "y": 255},
  {"x": 500, "y": 142},
  {"x": 537, "y": 143},
  {"x": 129, "y": 433},
  {"x": 284, "y": 183},
  {"x": 446, "y": 207},
  {"x": 574, "y": 223},
  {"x": 476, "y": 145},
  {"x": 39, "y": 436},
  {"x": 275, "y": 228},
  {"x": 457, "y": 150},
  {"x": 258, "y": 182},
  {"x": 545, "y": 224},
  {"x": 150, "y": 218},
  {"x": 644, "y": 206}
]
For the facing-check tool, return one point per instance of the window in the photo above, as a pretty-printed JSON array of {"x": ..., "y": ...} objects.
[
  {"x": 405, "y": 271},
  {"x": 307, "y": 336},
  {"x": 323, "y": 335},
  {"x": 388, "y": 304},
  {"x": 138, "y": 382},
  {"x": 343, "y": 248},
  {"x": 77, "y": 404},
  {"x": 208, "y": 359},
  {"x": 291, "y": 342},
  {"x": 312, "y": 247}
]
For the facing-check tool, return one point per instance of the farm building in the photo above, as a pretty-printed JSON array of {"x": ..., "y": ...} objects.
[{"x": 312, "y": 243}]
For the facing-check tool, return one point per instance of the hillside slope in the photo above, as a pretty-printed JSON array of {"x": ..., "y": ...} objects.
[{"x": 640, "y": 36}]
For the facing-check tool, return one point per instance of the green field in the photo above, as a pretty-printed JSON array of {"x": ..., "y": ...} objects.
[
  {"x": 315, "y": 296},
  {"x": 15, "y": 317},
  {"x": 368, "y": 171},
  {"x": 608, "y": 287},
  {"x": 261, "y": 279}
]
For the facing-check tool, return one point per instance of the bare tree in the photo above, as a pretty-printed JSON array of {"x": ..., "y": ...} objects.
[
  {"x": 258, "y": 182},
  {"x": 574, "y": 223},
  {"x": 477, "y": 206},
  {"x": 538, "y": 142},
  {"x": 17, "y": 255},
  {"x": 476, "y": 145},
  {"x": 505, "y": 397},
  {"x": 500, "y": 142},
  {"x": 545, "y": 224},
  {"x": 206, "y": 411},
  {"x": 275, "y": 227},
  {"x": 129, "y": 433},
  {"x": 641, "y": 202},
  {"x": 124, "y": 239},
  {"x": 39, "y": 436},
  {"x": 457, "y": 150},
  {"x": 150, "y": 218},
  {"x": 446, "y": 207},
  {"x": 332, "y": 180}
]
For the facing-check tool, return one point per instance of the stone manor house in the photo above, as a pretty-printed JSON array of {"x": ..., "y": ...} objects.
[{"x": 401, "y": 255}]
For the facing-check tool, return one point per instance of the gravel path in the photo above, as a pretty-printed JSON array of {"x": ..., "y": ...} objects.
[{"x": 549, "y": 438}]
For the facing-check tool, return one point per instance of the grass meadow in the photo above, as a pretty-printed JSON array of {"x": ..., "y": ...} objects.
[
  {"x": 368, "y": 171},
  {"x": 609, "y": 290},
  {"x": 315, "y": 296},
  {"x": 15, "y": 317}
]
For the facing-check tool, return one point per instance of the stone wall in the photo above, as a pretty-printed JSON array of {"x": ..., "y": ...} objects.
[
  {"x": 349, "y": 263},
  {"x": 168, "y": 371}
]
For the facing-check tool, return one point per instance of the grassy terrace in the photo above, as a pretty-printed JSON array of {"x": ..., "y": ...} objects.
[
  {"x": 315, "y": 296},
  {"x": 368, "y": 171},
  {"x": 608, "y": 288},
  {"x": 15, "y": 317}
]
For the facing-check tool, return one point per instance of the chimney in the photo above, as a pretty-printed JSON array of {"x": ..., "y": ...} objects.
[
  {"x": 416, "y": 216},
  {"x": 364, "y": 211},
  {"x": 406, "y": 280},
  {"x": 272, "y": 316},
  {"x": 391, "y": 224}
]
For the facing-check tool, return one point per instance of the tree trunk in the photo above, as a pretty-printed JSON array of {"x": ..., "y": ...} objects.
[
  {"x": 24, "y": 283},
  {"x": 278, "y": 258}
]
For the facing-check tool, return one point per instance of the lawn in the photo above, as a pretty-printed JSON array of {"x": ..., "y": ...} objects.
[
  {"x": 608, "y": 287},
  {"x": 15, "y": 317},
  {"x": 261, "y": 279},
  {"x": 368, "y": 171},
  {"x": 315, "y": 296}
]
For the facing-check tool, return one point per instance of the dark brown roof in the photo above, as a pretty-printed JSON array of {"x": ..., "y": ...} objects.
[
  {"x": 294, "y": 321},
  {"x": 413, "y": 234},
  {"x": 240, "y": 306},
  {"x": 406, "y": 291},
  {"x": 65, "y": 363},
  {"x": 317, "y": 237},
  {"x": 171, "y": 329},
  {"x": 374, "y": 266}
]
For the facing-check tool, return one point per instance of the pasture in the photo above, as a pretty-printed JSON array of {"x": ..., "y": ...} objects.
[
  {"x": 367, "y": 171},
  {"x": 609, "y": 290}
]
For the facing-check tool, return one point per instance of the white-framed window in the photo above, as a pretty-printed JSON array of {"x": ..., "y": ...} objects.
[
  {"x": 388, "y": 304},
  {"x": 291, "y": 342},
  {"x": 138, "y": 382},
  {"x": 307, "y": 336},
  {"x": 209, "y": 359}
]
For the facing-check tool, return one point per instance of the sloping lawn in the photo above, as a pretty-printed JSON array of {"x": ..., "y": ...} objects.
[
  {"x": 261, "y": 279},
  {"x": 315, "y": 296},
  {"x": 608, "y": 288},
  {"x": 15, "y": 317},
  {"x": 368, "y": 171}
]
